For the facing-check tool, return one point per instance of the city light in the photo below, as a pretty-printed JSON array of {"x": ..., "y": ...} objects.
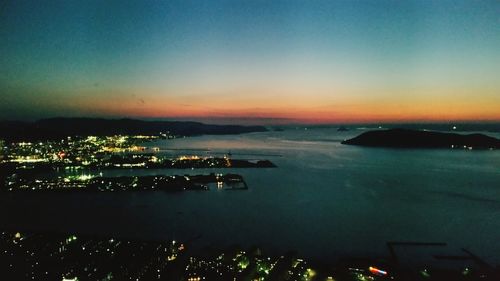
[{"x": 377, "y": 271}]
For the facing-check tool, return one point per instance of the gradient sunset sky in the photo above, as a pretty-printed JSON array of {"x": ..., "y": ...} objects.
[{"x": 260, "y": 61}]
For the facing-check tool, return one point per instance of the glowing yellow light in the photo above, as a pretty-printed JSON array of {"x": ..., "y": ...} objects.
[
  {"x": 192, "y": 157},
  {"x": 85, "y": 177}
]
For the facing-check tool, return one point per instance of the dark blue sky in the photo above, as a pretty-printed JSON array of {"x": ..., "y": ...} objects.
[{"x": 332, "y": 60}]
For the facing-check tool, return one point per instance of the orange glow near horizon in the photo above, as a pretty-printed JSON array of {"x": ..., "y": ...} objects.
[{"x": 299, "y": 109}]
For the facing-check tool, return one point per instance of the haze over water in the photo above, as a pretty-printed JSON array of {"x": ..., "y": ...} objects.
[{"x": 325, "y": 200}]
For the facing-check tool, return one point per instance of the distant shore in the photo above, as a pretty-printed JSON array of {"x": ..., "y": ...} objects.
[{"x": 56, "y": 128}]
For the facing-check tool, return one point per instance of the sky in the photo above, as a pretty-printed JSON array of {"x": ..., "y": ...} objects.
[{"x": 251, "y": 61}]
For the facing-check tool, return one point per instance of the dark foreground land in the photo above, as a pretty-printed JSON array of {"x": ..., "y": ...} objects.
[
  {"x": 404, "y": 138},
  {"x": 49, "y": 256}
]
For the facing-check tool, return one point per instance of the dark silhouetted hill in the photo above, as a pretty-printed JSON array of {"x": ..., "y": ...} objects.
[
  {"x": 404, "y": 138},
  {"x": 55, "y": 128}
]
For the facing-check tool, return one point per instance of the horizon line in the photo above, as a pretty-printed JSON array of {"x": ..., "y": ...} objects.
[{"x": 265, "y": 121}]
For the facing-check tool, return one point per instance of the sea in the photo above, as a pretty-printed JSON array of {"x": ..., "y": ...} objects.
[{"x": 324, "y": 200}]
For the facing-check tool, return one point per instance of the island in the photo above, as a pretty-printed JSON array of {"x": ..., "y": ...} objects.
[{"x": 406, "y": 138}]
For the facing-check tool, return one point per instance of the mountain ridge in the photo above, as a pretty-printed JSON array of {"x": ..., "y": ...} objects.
[{"x": 57, "y": 127}]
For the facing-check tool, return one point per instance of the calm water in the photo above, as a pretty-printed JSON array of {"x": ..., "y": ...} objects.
[{"x": 325, "y": 199}]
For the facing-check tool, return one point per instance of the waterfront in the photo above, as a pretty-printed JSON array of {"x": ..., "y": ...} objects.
[{"x": 325, "y": 200}]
